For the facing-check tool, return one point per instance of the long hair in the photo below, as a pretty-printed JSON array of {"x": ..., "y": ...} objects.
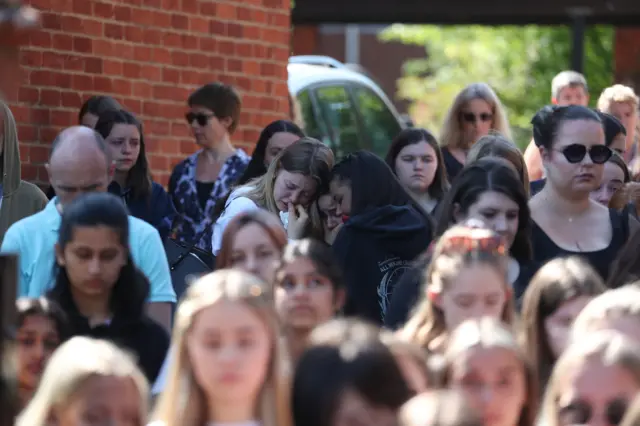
[
  {"x": 451, "y": 134},
  {"x": 496, "y": 145},
  {"x": 626, "y": 266},
  {"x": 256, "y": 166},
  {"x": 265, "y": 220},
  {"x": 139, "y": 176},
  {"x": 97, "y": 105},
  {"x": 557, "y": 282},
  {"x": 71, "y": 366},
  {"x": 477, "y": 178},
  {"x": 490, "y": 333},
  {"x": 183, "y": 402},
  {"x": 130, "y": 291},
  {"x": 27, "y": 307},
  {"x": 406, "y": 137}
]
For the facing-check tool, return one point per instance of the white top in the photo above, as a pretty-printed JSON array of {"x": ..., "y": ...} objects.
[{"x": 236, "y": 204}]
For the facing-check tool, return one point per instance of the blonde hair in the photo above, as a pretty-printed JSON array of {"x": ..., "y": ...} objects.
[
  {"x": 490, "y": 333},
  {"x": 438, "y": 408},
  {"x": 451, "y": 134},
  {"x": 496, "y": 145},
  {"x": 617, "y": 93},
  {"x": 71, "y": 365},
  {"x": 427, "y": 323},
  {"x": 611, "y": 349},
  {"x": 612, "y": 304},
  {"x": 183, "y": 402}
]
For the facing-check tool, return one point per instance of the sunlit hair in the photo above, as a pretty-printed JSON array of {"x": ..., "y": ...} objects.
[
  {"x": 557, "y": 282},
  {"x": 401, "y": 348},
  {"x": 632, "y": 417},
  {"x": 609, "y": 306},
  {"x": 496, "y": 145},
  {"x": 183, "y": 402},
  {"x": 70, "y": 367},
  {"x": 307, "y": 156},
  {"x": 617, "y": 93},
  {"x": 451, "y": 134},
  {"x": 269, "y": 223},
  {"x": 489, "y": 333},
  {"x": 460, "y": 247},
  {"x": 438, "y": 408},
  {"x": 607, "y": 348}
]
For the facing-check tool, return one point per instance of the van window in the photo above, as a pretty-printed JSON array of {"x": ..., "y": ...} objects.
[
  {"x": 380, "y": 124},
  {"x": 338, "y": 110}
]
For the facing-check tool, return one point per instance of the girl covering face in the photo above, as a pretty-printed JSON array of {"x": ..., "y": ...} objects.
[
  {"x": 465, "y": 279},
  {"x": 483, "y": 360},
  {"x": 228, "y": 365},
  {"x": 593, "y": 382}
]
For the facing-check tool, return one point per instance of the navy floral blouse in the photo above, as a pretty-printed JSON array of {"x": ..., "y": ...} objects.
[{"x": 195, "y": 219}]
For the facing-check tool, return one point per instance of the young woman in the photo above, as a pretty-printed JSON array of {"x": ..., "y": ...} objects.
[
  {"x": 277, "y": 136},
  {"x": 41, "y": 327},
  {"x": 253, "y": 242},
  {"x": 614, "y": 176},
  {"x": 145, "y": 199},
  {"x": 333, "y": 384},
  {"x": 467, "y": 278},
  {"x": 287, "y": 189},
  {"x": 309, "y": 291},
  {"x": 496, "y": 145},
  {"x": 86, "y": 382},
  {"x": 554, "y": 298},
  {"x": 385, "y": 229},
  {"x": 476, "y": 110},
  {"x": 97, "y": 284},
  {"x": 593, "y": 382},
  {"x": 483, "y": 360},
  {"x": 229, "y": 367},
  {"x": 487, "y": 190},
  {"x": 615, "y": 310},
  {"x": 415, "y": 158},
  {"x": 572, "y": 145}
]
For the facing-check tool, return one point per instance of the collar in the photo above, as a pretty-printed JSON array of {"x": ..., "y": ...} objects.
[{"x": 51, "y": 215}]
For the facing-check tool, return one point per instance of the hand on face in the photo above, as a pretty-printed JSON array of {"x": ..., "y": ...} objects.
[{"x": 298, "y": 221}]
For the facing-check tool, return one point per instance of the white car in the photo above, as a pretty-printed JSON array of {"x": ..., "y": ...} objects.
[{"x": 341, "y": 107}]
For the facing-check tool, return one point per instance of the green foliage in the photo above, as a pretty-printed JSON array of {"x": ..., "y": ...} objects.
[{"x": 518, "y": 62}]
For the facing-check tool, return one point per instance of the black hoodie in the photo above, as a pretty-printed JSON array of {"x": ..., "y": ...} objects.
[{"x": 385, "y": 232}]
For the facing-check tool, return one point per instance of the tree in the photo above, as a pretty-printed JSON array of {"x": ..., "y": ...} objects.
[{"x": 518, "y": 62}]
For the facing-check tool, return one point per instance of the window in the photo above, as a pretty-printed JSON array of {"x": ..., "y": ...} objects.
[
  {"x": 338, "y": 111},
  {"x": 380, "y": 124},
  {"x": 314, "y": 126}
]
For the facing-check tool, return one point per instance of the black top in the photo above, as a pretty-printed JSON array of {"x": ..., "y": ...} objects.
[
  {"x": 544, "y": 249},
  {"x": 451, "y": 164},
  {"x": 374, "y": 249},
  {"x": 145, "y": 338},
  {"x": 203, "y": 190}
]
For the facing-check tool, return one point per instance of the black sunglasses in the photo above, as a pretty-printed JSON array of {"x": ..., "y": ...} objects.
[
  {"x": 580, "y": 412},
  {"x": 575, "y": 153},
  {"x": 201, "y": 118},
  {"x": 470, "y": 117}
]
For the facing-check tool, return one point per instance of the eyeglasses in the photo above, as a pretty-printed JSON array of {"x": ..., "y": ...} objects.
[
  {"x": 201, "y": 119},
  {"x": 575, "y": 153},
  {"x": 580, "y": 412},
  {"x": 470, "y": 117}
]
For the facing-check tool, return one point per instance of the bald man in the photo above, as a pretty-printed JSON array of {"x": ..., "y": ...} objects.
[{"x": 80, "y": 163}]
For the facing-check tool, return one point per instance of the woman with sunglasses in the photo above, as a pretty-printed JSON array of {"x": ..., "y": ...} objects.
[
  {"x": 474, "y": 113},
  {"x": 566, "y": 221},
  {"x": 202, "y": 179}
]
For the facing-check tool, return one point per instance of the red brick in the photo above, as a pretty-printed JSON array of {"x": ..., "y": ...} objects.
[{"x": 149, "y": 55}]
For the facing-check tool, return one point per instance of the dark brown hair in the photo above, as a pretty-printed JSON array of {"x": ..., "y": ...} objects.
[{"x": 221, "y": 99}]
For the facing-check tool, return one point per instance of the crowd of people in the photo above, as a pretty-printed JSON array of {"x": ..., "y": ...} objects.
[{"x": 456, "y": 282}]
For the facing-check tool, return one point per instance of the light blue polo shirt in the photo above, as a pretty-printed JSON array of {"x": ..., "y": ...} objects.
[{"x": 34, "y": 238}]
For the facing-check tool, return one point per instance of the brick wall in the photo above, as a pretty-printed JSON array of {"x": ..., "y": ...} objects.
[
  {"x": 149, "y": 54},
  {"x": 627, "y": 56}
]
